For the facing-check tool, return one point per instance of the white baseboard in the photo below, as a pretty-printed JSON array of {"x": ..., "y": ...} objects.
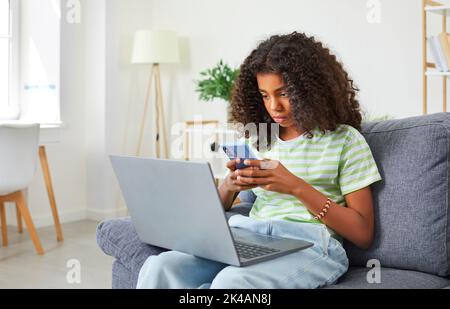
[
  {"x": 73, "y": 216},
  {"x": 47, "y": 220}
]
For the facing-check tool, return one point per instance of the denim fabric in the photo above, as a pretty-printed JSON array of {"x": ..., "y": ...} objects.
[
  {"x": 315, "y": 267},
  {"x": 247, "y": 197}
]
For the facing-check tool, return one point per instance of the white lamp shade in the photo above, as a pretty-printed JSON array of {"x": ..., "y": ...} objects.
[{"x": 152, "y": 46}]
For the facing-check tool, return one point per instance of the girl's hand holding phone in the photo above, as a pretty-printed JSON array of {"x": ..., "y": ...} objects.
[
  {"x": 270, "y": 175},
  {"x": 249, "y": 173},
  {"x": 231, "y": 183}
]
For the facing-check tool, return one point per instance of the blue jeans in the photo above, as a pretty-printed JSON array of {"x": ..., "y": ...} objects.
[{"x": 314, "y": 267}]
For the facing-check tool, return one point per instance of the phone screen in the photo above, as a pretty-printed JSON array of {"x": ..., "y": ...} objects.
[{"x": 241, "y": 151}]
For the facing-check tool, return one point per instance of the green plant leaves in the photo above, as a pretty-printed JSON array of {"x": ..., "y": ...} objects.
[{"x": 217, "y": 83}]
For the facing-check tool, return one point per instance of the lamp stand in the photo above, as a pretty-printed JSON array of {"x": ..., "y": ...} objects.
[{"x": 159, "y": 118}]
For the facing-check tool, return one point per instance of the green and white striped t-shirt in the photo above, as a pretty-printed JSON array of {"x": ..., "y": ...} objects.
[{"x": 335, "y": 163}]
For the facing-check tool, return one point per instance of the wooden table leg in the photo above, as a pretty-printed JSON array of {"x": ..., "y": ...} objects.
[
  {"x": 51, "y": 195},
  {"x": 3, "y": 223},
  {"x": 19, "y": 220}
]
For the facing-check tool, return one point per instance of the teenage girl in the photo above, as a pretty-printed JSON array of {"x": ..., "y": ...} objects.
[{"x": 316, "y": 186}]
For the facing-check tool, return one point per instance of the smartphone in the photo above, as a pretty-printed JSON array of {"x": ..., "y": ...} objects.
[{"x": 241, "y": 151}]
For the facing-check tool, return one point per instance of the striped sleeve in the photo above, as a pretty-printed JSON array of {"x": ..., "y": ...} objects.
[{"x": 357, "y": 167}]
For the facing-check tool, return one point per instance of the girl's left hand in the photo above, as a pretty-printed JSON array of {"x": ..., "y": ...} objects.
[{"x": 270, "y": 175}]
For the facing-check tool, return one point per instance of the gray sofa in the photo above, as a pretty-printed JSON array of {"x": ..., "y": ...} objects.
[{"x": 412, "y": 237}]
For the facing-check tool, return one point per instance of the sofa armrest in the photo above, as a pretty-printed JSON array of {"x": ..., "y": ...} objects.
[{"x": 118, "y": 238}]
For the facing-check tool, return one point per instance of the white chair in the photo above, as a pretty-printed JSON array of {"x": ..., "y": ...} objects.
[{"x": 18, "y": 161}]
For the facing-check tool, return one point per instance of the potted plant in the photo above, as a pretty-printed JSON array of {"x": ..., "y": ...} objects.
[{"x": 217, "y": 83}]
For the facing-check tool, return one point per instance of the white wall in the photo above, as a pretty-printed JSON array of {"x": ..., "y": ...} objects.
[
  {"x": 101, "y": 90},
  {"x": 383, "y": 59},
  {"x": 120, "y": 88},
  {"x": 96, "y": 104}
]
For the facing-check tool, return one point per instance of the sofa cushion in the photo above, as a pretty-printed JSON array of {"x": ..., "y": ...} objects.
[
  {"x": 356, "y": 278},
  {"x": 412, "y": 201}
]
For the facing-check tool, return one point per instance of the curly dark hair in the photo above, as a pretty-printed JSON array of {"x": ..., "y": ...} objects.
[{"x": 321, "y": 93}]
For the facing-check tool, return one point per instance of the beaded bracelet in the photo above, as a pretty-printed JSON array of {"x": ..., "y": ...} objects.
[{"x": 324, "y": 211}]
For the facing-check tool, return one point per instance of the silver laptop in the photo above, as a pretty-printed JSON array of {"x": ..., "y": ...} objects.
[{"x": 176, "y": 205}]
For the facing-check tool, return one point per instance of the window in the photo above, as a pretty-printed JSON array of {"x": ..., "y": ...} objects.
[
  {"x": 8, "y": 69},
  {"x": 40, "y": 35},
  {"x": 30, "y": 60}
]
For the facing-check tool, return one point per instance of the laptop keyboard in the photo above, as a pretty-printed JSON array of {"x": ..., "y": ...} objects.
[{"x": 248, "y": 251}]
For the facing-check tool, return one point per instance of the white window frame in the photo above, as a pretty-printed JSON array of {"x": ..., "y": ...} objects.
[
  {"x": 14, "y": 61},
  {"x": 15, "y": 56}
]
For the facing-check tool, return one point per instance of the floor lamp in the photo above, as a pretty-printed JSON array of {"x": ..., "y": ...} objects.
[{"x": 155, "y": 47}]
